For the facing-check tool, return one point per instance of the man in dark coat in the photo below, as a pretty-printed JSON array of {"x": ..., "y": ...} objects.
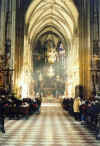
[{"x": 2, "y": 116}]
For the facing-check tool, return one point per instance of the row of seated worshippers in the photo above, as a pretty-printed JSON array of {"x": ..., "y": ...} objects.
[
  {"x": 89, "y": 110},
  {"x": 13, "y": 108},
  {"x": 18, "y": 108}
]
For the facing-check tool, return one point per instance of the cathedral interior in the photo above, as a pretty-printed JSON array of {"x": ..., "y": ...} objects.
[{"x": 50, "y": 49}]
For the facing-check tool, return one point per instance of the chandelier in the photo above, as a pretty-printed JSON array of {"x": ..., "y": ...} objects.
[
  {"x": 50, "y": 44},
  {"x": 51, "y": 72}
]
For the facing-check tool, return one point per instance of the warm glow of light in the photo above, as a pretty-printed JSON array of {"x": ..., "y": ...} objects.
[
  {"x": 25, "y": 81},
  {"x": 70, "y": 90},
  {"x": 40, "y": 77},
  {"x": 23, "y": 86},
  {"x": 61, "y": 14},
  {"x": 24, "y": 91},
  {"x": 73, "y": 75},
  {"x": 38, "y": 3},
  {"x": 52, "y": 54},
  {"x": 51, "y": 72}
]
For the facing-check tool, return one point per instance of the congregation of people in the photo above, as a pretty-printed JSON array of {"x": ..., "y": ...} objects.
[
  {"x": 85, "y": 110},
  {"x": 14, "y": 108}
]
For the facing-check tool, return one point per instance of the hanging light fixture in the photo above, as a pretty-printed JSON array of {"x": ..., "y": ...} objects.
[
  {"x": 51, "y": 50},
  {"x": 51, "y": 72}
]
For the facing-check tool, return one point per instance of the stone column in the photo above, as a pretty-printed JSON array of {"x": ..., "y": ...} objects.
[
  {"x": 84, "y": 49},
  {"x": 99, "y": 20},
  {"x": 95, "y": 21},
  {"x": 2, "y": 42},
  {"x": 89, "y": 55},
  {"x": 81, "y": 48},
  {"x": 13, "y": 40},
  {"x": 2, "y": 29}
]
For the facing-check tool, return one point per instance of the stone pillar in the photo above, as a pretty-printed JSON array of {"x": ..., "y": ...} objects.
[
  {"x": 99, "y": 20},
  {"x": 89, "y": 55},
  {"x": 2, "y": 41},
  {"x": 87, "y": 50},
  {"x": 84, "y": 45},
  {"x": 95, "y": 21},
  {"x": 81, "y": 37},
  {"x": 13, "y": 40},
  {"x": 2, "y": 29}
]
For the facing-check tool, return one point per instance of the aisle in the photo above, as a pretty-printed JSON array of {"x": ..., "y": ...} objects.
[{"x": 53, "y": 127}]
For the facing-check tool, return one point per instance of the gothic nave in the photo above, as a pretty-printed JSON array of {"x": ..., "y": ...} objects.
[{"x": 49, "y": 57}]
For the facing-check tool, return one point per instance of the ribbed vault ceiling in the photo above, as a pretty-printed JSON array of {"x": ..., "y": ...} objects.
[{"x": 58, "y": 16}]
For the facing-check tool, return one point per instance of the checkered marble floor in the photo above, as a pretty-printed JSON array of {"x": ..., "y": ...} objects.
[{"x": 52, "y": 127}]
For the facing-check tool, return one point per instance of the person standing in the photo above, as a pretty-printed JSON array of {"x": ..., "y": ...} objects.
[
  {"x": 2, "y": 129},
  {"x": 76, "y": 105}
]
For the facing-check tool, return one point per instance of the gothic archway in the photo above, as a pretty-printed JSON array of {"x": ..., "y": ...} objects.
[{"x": 61, "y": 18}]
